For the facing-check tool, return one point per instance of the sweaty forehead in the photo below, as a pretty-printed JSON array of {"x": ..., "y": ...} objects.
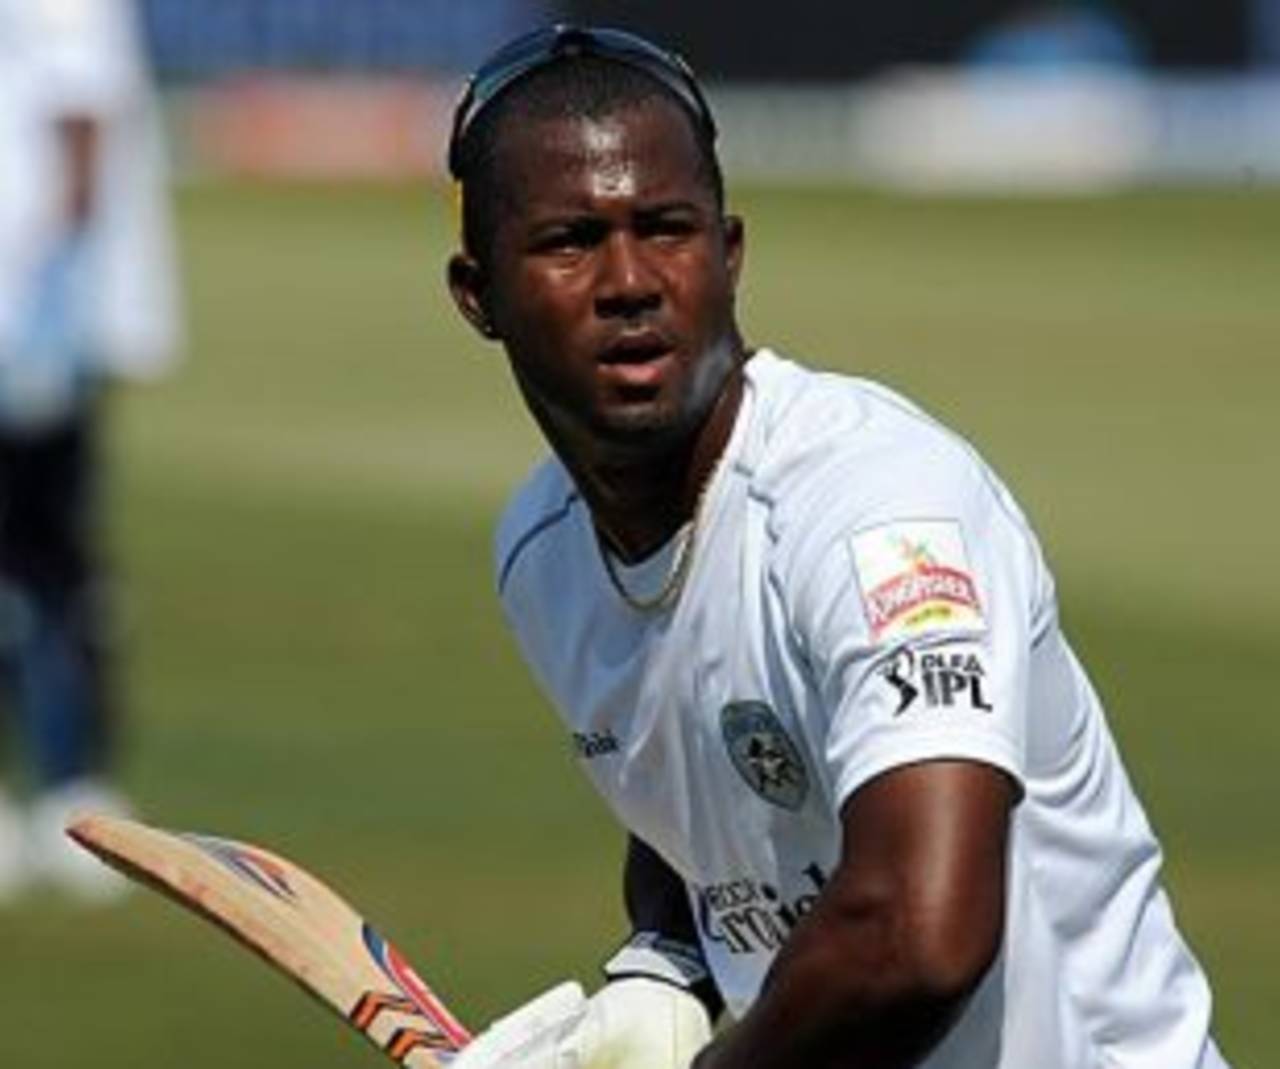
[{"x": 641, "y": 151}]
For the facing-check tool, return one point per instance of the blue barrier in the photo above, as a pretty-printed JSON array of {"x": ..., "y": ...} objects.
[{"x": 196, "y": 39}]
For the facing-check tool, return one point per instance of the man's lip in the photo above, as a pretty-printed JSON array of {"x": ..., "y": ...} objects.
[
  {"x": 640, "y": 347},
  {"x": 639, "y": 372},
  {"x": 637, "y": 359}
]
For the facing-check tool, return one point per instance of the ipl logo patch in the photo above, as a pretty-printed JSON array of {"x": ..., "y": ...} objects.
[{"x": 763, "y": 754}]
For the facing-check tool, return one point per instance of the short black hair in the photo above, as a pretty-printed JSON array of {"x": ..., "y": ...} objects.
[{"x": 572, "y": 86}]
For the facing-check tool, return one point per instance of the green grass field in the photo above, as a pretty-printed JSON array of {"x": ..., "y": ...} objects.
[{"x": 315, "y": 660}]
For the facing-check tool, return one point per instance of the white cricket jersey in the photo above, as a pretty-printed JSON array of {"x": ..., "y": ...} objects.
[
  {"x": 63, "y": 58},
  {"x": 864, "y": 594}
]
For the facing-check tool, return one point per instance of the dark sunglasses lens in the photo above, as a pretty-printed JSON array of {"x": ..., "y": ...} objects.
[
  {"x": 621, "y": 41},
  {"x": 533, "y": 50},
  {"x": 511, "y": 61}
]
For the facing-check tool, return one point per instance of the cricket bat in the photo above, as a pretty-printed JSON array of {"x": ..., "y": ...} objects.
[{"x": 295, "y": 923}]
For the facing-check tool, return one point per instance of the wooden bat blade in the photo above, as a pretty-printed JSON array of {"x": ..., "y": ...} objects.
[{"x": 293, "y": 921}]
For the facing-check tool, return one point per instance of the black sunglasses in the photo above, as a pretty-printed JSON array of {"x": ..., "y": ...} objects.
[{"x": 542, "y": 47}]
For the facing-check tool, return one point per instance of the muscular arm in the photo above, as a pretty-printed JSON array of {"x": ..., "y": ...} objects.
[{"x": 903, "y": 932}]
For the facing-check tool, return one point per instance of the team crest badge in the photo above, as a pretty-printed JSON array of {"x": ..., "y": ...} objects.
[{"x": 763, "y": 754}]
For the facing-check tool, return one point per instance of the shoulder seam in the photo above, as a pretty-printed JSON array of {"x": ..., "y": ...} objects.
[
  {"x": 970, "y": 451},
  {"x": 525, "y": 540}
]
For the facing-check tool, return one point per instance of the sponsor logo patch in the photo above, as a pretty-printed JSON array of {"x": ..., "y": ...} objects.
[
  {"x": 763, "y": 754},
  {"x": 915, "y": 578},
  {"x": 749, "y": 916},
  {"x": 937, "y": 679}
]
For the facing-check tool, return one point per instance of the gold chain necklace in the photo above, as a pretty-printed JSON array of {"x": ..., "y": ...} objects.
[{"x": 673, "y": 585}]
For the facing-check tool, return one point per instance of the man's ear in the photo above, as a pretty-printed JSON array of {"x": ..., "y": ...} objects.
[
  {"x": 735, "y": 245},
  {"x": 468, "y": 283}
]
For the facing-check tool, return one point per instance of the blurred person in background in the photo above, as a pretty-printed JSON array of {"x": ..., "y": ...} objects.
[
  {"x": 87, "y": 294},
  {"x": 802, "y": 640}
]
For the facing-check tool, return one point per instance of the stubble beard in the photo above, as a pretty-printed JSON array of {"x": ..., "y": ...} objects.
[
  {"x": 668, "y": 422},
  {"x": 616, "y": 432}
]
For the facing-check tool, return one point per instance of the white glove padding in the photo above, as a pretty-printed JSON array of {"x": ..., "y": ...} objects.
[
  {"x": 537, "y": 1022},
  {"x": 636, "y": 1023}
]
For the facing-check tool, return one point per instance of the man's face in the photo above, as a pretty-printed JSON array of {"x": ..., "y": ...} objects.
[{"x": 611, "y": 279}]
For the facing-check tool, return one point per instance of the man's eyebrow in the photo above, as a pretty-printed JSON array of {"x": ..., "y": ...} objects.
[
  {"x": 663, "y": 207},
  {"x": 564, "y": 217}
]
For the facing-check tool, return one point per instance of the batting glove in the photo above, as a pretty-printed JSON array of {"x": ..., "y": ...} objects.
[{"x": 634, "y": 1023}]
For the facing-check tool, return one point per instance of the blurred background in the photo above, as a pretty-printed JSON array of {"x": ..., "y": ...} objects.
[{"x": 1055, "y": 225}]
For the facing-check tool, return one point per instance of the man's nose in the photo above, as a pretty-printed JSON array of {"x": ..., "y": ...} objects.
[{"x": 628, "y": 284}]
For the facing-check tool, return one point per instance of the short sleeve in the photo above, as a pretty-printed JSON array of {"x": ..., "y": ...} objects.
[
  {"x": 916, "y": 618},
  {"x": 86, "y": 56}
]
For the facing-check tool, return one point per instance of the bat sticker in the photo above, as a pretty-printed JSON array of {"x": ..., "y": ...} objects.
[
  {"x": 294, "y": 922},
  {"x": 248, "y": 865},
  {"x": 400, "y": 973}
]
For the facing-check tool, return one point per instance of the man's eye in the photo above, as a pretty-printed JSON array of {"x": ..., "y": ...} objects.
[
  {"x": 669, "y": 227},
  {"x": 567, "y": 238}
]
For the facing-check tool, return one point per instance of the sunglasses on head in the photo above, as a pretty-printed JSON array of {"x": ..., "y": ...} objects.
[{"x": 543, "y": 47}]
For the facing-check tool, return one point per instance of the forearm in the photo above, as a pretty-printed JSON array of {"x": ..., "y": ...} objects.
[
  {"x": 901, "y": 935},
  {"x": 847, "y": 991}
]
